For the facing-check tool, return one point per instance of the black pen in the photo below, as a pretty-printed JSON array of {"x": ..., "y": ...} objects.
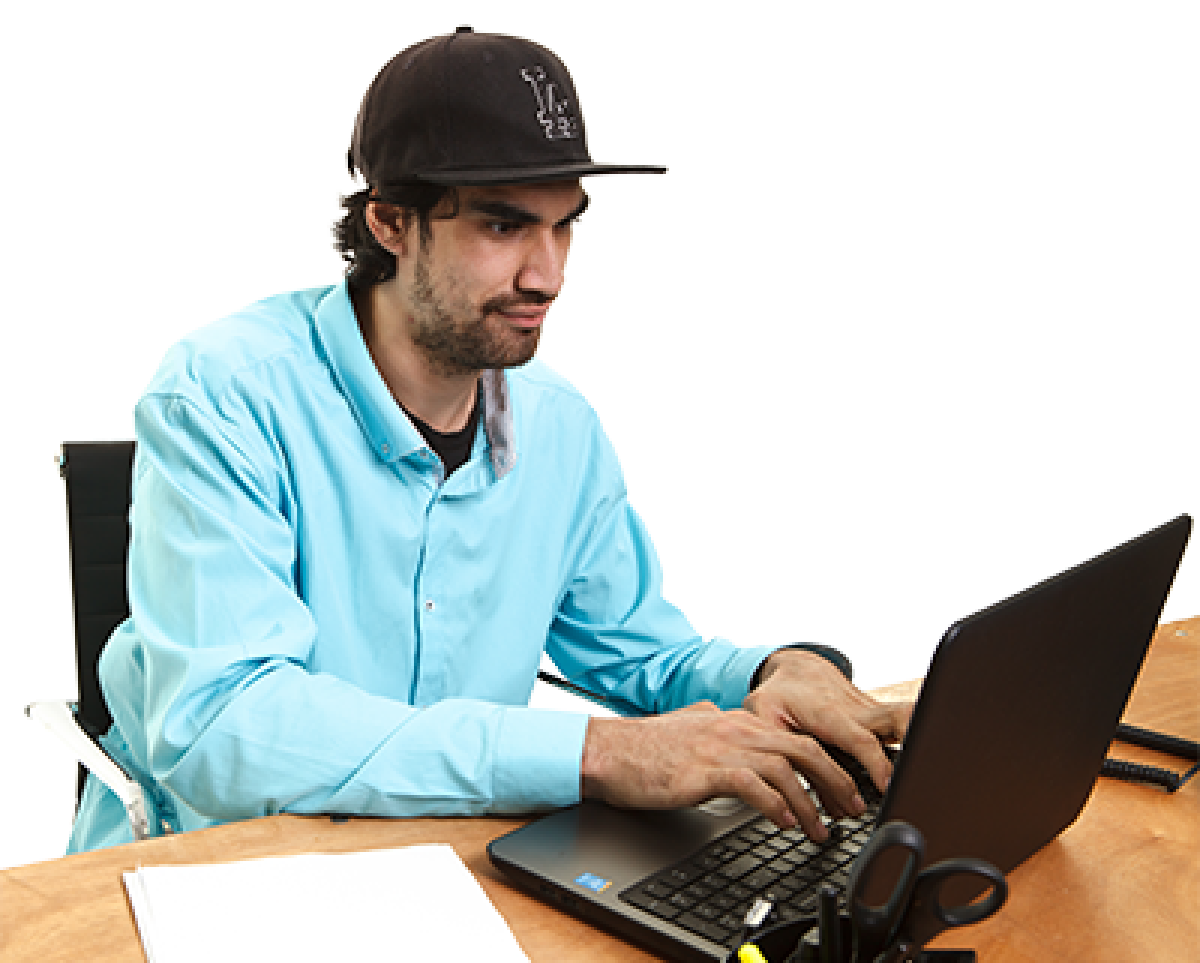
[{"x": 830, "y": 923}]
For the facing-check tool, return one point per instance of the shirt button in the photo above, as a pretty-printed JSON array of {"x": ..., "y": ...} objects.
[
  {"x": 429, "y": 605},
  {"x": 386, "y": 448}
]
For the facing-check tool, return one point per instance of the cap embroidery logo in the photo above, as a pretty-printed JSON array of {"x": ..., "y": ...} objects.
[{"x": 552, "y": 110}]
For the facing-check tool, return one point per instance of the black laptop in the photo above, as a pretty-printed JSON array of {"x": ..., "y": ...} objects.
[{"x": 1008, "y": 736}]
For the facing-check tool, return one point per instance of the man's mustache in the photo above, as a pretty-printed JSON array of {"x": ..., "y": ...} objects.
[{"x": 533, "y": 299}]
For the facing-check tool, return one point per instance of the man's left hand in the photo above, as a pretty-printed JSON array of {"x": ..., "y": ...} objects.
[{"x": 802, "y": 692}]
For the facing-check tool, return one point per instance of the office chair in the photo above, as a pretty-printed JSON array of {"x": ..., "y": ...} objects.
[{"x": 99, "y": 478}]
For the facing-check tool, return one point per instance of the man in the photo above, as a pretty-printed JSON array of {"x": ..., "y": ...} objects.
[{"x": 361, "y": 513}]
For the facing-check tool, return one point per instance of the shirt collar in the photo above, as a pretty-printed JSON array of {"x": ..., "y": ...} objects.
[
  {"x": 498, "y": 422},
  {"x": 383, "y": 421}
]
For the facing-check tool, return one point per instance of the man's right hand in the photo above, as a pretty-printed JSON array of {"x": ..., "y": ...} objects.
[{"x": 686, "y": 757}]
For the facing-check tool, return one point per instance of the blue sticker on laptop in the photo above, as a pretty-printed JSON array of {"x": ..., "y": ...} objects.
[{"x": 593, "y": 882}]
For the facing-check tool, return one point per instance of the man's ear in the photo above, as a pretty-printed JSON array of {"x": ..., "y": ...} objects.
[{"x": 388, "y": 225}]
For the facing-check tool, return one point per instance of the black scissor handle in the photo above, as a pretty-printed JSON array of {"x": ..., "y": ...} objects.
[
  {"x": 875, "y": 925},
  {"x": 927, "y": 909},
  {"x": 929, "y": 885}
]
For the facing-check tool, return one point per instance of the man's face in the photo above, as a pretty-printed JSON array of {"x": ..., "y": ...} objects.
[{"x": 477, "y": 294}]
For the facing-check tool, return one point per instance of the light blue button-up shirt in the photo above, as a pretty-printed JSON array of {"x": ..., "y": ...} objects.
[{"x": 322, "y": 623}]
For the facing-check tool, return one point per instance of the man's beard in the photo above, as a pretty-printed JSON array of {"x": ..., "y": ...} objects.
[{"x": 457, "y": 338}]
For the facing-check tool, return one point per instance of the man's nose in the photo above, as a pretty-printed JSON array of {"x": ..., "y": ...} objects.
[{"x": 544, "y": 265}]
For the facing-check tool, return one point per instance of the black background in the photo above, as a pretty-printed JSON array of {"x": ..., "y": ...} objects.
[{"x": 894, "y": 338}]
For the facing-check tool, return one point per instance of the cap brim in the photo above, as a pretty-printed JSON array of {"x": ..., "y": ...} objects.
[{"x": 530, "y": 175}]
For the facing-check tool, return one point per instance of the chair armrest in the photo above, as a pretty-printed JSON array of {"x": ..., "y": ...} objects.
[{"x": 60, "y": 720}]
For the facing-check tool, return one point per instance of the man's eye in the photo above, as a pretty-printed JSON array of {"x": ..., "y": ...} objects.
[{"x": 503, "y": 228}]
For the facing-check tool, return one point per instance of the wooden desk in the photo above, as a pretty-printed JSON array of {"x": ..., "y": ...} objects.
[{"x": 1122, "y": 884}]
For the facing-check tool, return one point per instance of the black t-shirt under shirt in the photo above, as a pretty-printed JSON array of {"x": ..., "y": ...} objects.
[{"x": 453, "y": 448}]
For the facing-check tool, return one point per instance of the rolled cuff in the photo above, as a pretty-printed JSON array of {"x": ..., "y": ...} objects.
[{"x": 539, "y": 754}]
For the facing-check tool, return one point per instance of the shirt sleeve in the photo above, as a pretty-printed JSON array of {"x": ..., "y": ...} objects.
[{"x": 209, "y": 683}]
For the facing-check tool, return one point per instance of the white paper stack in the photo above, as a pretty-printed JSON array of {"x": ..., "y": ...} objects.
[{"x": 415, "y": 903}]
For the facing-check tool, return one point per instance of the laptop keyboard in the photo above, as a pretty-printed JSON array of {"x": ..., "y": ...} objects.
[{"x": 710, "y": 891}]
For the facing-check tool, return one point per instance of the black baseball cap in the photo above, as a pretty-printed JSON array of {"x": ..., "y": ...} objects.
[{"x": 473, "y": 109}]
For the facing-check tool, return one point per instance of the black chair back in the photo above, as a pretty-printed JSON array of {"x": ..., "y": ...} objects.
[{"x": 98, "y": 477}]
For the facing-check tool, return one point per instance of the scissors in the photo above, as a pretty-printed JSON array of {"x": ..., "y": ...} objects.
[{"x": 914, "y": 912}]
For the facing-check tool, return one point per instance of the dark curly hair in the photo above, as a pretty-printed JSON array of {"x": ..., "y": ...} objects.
[{"x": 367, "y": 263}]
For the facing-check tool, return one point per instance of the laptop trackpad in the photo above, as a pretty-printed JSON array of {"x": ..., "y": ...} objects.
[{"x": 619, "y": 845}]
